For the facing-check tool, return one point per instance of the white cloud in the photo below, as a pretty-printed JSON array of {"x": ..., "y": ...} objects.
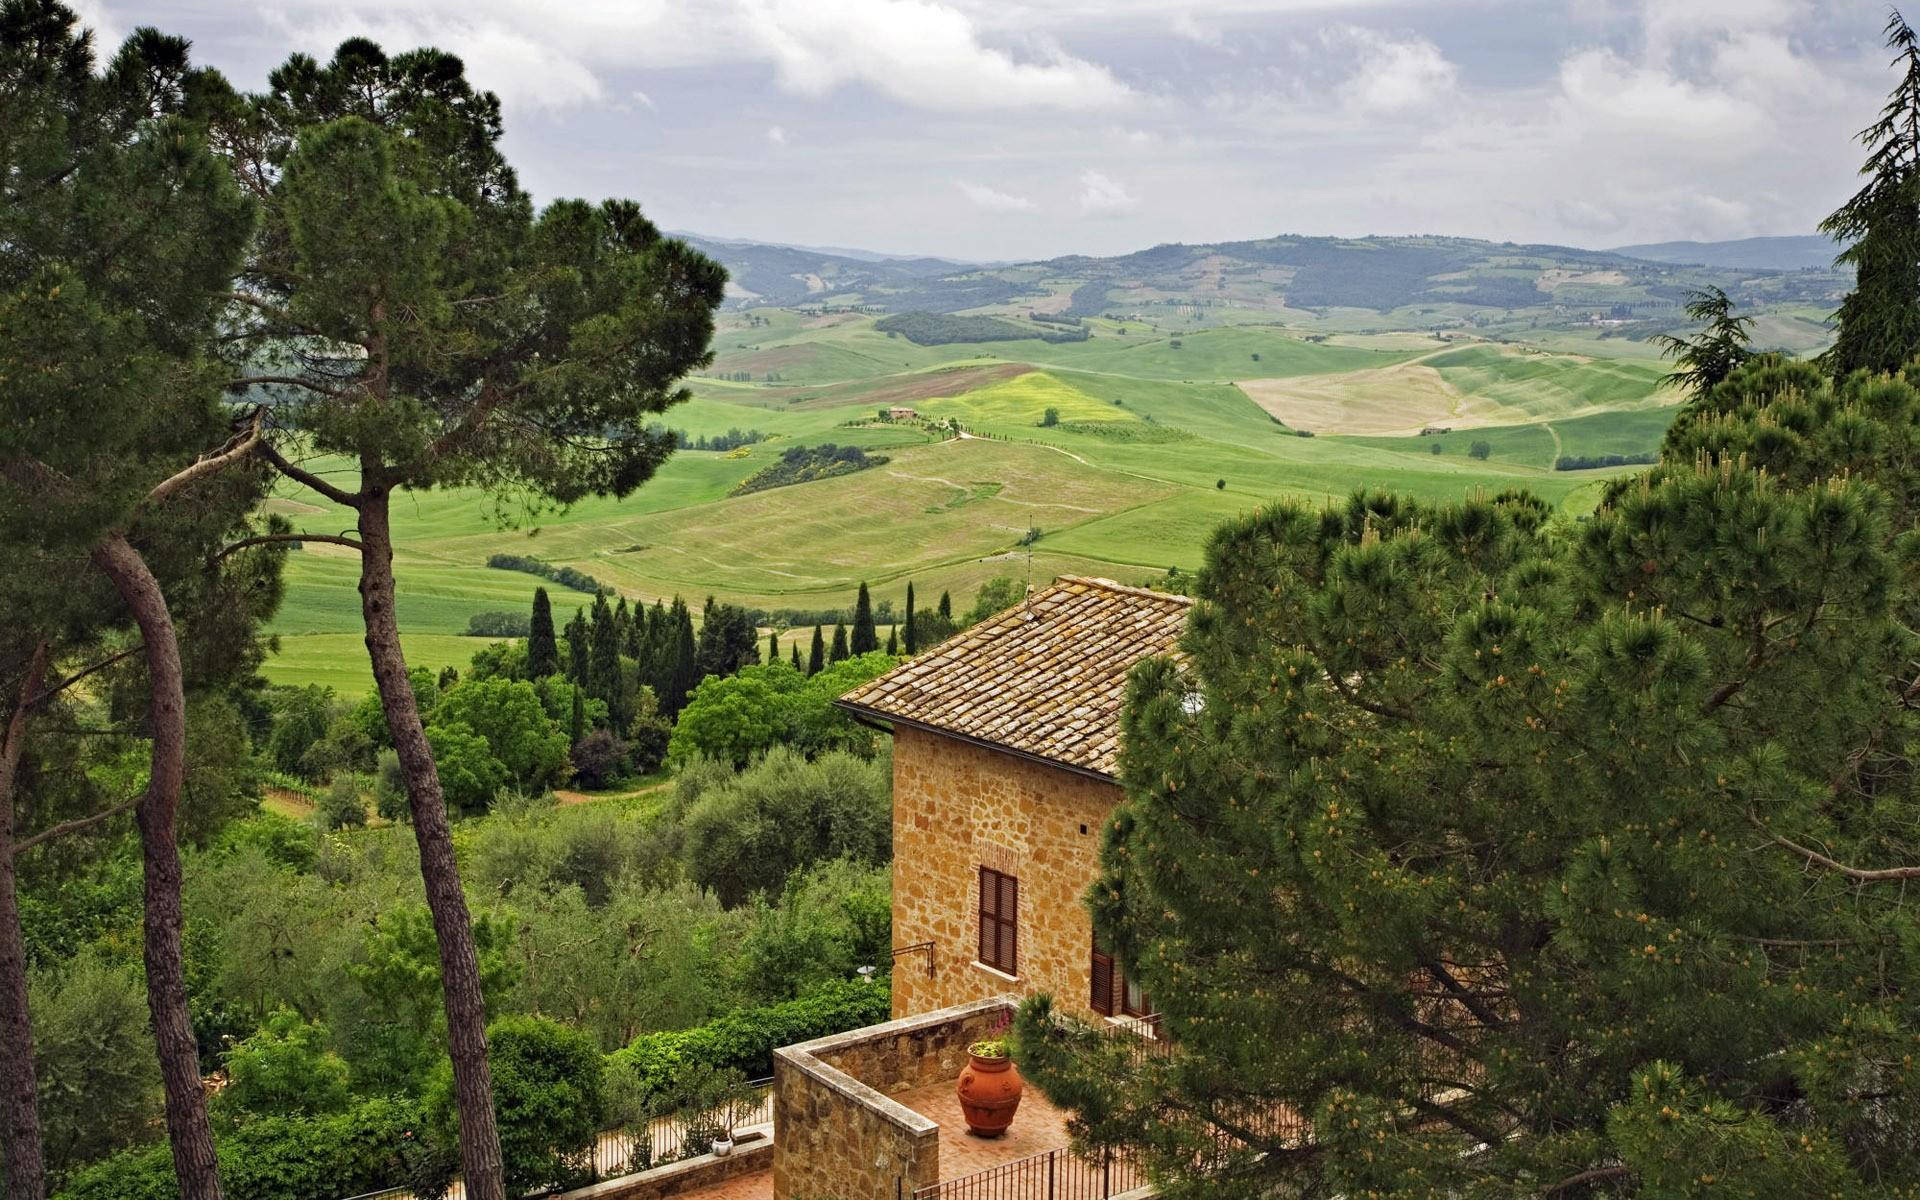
[
  {"x": 1102, "y": 195},
  {"x": 527, "y": 69},
  {"x": 994, "y": 200},
  {"x": 920, "y": 52},
  {"x": 923, "y": 53},
  {"x": 642, "y": 99},
  {"x": 108, "y": 32},
  {"x": 1393, "y": 75},
  {"x": 1188, "y": 26},
  {"x": 776, "y": 135}
]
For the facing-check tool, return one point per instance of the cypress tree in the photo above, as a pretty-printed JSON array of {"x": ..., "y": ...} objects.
[
  {"x": 1879, "y": 321},
  {"x": 577, "y": 729},
  {"x": 728, "y": 640},
  {"x": 603, "y": 649},
  {"x": 773, "y": 645},
  {"x": 866, "y": 638},
  {"x": 817, "y": 656},
  {"x": 893, "y": 639},
  {"x": 656, "y": 657},
  {"x": 578, "y": 638},
  {"x": 797, "y": 664},
  {"x": 686, "y": 671},
  {"x": 623, "y": 626},
  {"x": 839, "y": 650},
  {"x": 946, "y": 606},
  {"x": 543, "y": 653},
  {"x": 635, "y": 647},
  {"x": 912, "y": 646},
  {"x": 606, "y": 680}
]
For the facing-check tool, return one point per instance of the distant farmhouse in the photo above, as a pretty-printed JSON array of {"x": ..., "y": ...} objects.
[{"x": 901, "y": 412}]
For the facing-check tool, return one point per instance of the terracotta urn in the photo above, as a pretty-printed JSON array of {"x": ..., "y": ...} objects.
[{"x": 989, "y": 1089}]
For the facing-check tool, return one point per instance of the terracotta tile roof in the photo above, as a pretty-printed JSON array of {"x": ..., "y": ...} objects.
[{"x": 1045, "y": 678}]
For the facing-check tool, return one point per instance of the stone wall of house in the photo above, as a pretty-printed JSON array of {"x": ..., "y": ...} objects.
[
  {"x": 958, "y": 807},
  {"x": 838, "y": 1134}
]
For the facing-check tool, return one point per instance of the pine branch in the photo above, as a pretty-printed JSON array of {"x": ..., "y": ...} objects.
[
  {"x": 298, "y": 381},
  {"x": 53, "y": 690},
  {"x": 1596, "y": 1175},
  {"x": 1858, "y": 874},
  {"x": 236, "y": 449},
  {"x": 267, "y": 539},
  {"x": 303, "y": 476},
  {"x": 75, "y": 825}
]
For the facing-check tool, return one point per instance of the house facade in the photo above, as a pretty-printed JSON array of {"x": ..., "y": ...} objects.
[{"x": 1005, "y": 741}]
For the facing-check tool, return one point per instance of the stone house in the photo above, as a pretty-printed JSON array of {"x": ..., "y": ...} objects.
[{"x": 1005, "y": 740}]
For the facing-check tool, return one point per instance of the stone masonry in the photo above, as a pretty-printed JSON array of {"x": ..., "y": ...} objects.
[
  {"x": 959, "y": 806},
  {"x": 838, "y": 1134}
]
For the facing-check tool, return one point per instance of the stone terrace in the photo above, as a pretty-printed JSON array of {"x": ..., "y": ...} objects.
[{"x": 871, "y": 1114}]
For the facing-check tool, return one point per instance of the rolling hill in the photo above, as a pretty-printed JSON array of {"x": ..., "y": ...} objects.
[
  {"x": 1379, "y": 282},
  {"x": 1185, "y": 384},
  {"x": 1814, "y": 252}
]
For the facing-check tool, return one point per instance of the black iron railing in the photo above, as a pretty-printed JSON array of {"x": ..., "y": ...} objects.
[
  {"x": 665, "y": 1140},
  {"x": 1054, "y": 1175}
]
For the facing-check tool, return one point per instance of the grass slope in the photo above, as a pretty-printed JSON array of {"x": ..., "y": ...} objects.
[{"x": 1157, "y": 445}]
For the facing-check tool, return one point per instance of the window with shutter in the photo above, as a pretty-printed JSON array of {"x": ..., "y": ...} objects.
[{"x": 999, "y": 921}]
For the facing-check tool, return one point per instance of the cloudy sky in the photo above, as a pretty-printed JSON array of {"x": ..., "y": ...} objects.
[{"x": 1004, "y": 129}]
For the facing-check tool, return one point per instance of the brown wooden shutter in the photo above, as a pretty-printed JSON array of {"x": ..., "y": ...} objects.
[
  {"x": 1102, "y": 1000},
  {"x": 989, "y": 926},
  {"x": 999, "y": 920},
  {"x": 1010, "y": 923}
]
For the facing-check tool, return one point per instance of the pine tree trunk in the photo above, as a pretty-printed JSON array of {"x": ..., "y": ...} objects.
[
  {"x": 480, "y": 1161},
  {"x": 186, "y": 1101},
  {"x": 26, "y": 1159}
]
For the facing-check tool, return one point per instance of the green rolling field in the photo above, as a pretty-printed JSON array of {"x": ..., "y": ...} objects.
[{"x": 1155, "y": 445}]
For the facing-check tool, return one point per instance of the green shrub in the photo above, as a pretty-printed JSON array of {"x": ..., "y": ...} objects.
[
  {"x": 283, "y": 841},
  {"x": 99, "y": 1084},
  {"x": 784, "y": 813},
  {"x": 546, "y": 1097},
  {"x": 283, "y": 1070},
  {"x": 341, "y": 806},
  {"x": 376, "y": 1145},
  {"x": 650, "y": 1066}
]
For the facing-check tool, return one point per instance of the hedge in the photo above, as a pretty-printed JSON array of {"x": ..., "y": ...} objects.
[
  {"x": 746, "y": 1039},
  {"x": 373, "y": 1146}
]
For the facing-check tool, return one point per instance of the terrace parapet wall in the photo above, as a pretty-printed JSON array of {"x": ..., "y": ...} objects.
[{"x": 838, "y": 1134}]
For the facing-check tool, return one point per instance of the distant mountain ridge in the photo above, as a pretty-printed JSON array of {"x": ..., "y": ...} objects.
[
  {"x": 1755, "y": 253},
  {"x": 1427, "y": 280}
]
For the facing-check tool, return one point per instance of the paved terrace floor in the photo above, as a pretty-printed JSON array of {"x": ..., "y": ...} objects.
[
  {"x": 1037, "y": 1128},
  {"x": 757, "y": 1186}
]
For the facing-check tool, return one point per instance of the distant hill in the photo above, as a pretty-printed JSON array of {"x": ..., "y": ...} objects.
[
  {"x": 1756, "y": 253},
  {"x": 1396, "y": 282}
]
